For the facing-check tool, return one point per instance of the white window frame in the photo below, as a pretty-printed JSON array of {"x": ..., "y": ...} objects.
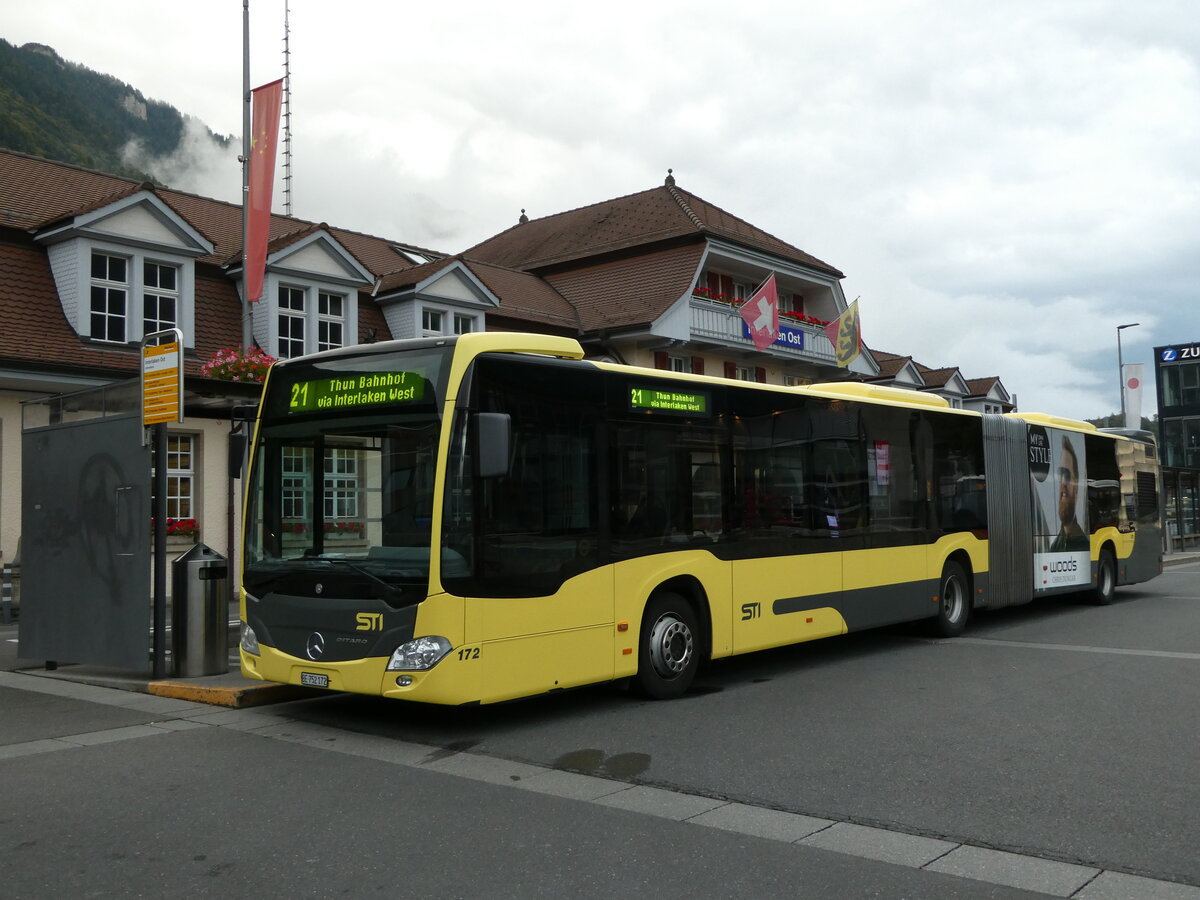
[
  {"x": 160, "y": 294},
  {"x": 71, "y": 263},
  {"x": 743, "y": 373},
  {"x": 460, "y": 319},
  {"x": 427, "y": 328},
  {"x": 679, "y": 364},
  {"x": 112, "y": 289},
  {"x": 317, "y": 327},
  {"x": 181, "y": 476},
  {"x": 329, "y": 323},
  {"x": 296, "y": 345},
  {"x": 342, "y": 484},
  {"x": 295, "y": 483}
]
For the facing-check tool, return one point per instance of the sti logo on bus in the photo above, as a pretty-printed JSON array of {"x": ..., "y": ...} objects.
[
  {"x": 751, "y": 611},
  {"x": 369, "y": 622}
]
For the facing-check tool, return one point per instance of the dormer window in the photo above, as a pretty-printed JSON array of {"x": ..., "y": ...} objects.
[
  {"x": 126, "y": 269},
  {"x": 331, "y": 321},
  {"x": 431, "y": 322},
  {"x": 312, "y": 284},
  {"x": 449, "y": 301},
  {"x": 110, "y": 297},
  {"x": 296, "y": 335},
  {"x": 418, "y": 257},
  {"x": 110, "y": 292},
  {"x": 291, "y": 322},
  {"x": 160, "y": 297}
]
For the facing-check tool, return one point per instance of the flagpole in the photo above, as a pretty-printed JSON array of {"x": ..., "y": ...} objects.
[{"x": 247, "y": 323}]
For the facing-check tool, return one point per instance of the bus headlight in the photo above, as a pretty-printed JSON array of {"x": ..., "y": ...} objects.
[
  {"x": 418, "y": 654},
  {"x": 249, "y": 640}
]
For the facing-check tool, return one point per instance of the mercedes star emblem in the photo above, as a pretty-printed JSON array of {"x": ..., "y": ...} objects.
[{"x": 316, "y": 645}]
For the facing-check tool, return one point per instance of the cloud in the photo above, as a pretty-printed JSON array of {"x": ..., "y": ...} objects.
[
  {"x": 1002, "y": 184},
  {"x": 199, "y": 165}
]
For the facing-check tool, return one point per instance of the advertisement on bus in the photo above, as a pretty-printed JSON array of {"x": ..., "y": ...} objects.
[{"x": 1061, "y": 555}]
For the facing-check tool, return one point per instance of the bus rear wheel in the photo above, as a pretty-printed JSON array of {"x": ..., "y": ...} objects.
[
  {"x": 954, "y": 602},
  {"x": 1106, "y": 578},
  {"x": 668, "y": 647}
]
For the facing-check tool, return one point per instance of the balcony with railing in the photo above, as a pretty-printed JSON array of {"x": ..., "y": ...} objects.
[{"x": 721, "y": 322}]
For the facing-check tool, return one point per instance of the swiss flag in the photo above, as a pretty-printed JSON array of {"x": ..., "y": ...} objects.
[
  {"x": 761, "y": 314},
  {"x": 264, "y": 134}
]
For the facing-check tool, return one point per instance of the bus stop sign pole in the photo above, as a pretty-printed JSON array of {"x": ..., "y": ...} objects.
[{"x": 162, "y": 402}]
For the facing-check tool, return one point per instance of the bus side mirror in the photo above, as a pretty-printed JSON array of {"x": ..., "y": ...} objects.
[
  {"x": 237, "y": 453},
  {"x": 493, "y": 431}
]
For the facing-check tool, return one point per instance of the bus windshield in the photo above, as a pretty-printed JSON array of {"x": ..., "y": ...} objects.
[{"x": 341, "y": 492}]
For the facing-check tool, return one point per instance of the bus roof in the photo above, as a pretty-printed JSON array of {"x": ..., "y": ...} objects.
[{"x": 1036, "y": 418}]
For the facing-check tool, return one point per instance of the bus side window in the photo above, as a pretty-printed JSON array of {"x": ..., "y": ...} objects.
[
  {"x": 1103, "y": 483},
  {"x": 837, "y": 489},
  {"x": 668, "y": 485},
  {"x": 960, "y": 489}
]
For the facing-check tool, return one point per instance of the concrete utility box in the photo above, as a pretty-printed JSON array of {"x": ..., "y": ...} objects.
[{"x": 199, "y": 613}]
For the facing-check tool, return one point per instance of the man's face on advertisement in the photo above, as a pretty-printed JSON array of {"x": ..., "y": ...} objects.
[{"x": 1068, "y": 485}]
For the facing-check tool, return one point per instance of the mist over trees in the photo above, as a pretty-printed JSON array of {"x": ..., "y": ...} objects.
[{"x": 60, "y": 110}]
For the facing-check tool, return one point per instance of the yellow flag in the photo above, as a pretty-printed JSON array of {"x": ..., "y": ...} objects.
[{"x": 846, "y": 336}]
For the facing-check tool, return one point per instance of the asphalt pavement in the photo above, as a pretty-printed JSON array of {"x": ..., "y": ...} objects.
[
  {"x": 106, "y": 787},
  {"x": 115, "y": 792}
]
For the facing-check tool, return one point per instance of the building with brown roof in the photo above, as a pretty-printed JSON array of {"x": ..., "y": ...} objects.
[
  {"x": 985, "y": 395},
  {"x": 91, "y": 263},
  {"x": 656, "y": 279}
]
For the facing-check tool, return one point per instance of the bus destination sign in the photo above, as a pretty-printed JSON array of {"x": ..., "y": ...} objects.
[
  {"x": 353, "y": 391},
  {"x": 668, "y": 401}
]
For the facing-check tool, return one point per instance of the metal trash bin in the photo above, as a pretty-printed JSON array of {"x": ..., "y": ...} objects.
[{"x": 199, "y": 613}]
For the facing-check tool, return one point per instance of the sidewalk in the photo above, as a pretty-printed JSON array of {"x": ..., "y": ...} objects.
[{"x": 230, "y": 689}]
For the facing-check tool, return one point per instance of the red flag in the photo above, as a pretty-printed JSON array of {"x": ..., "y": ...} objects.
[
  {"x": 845, "y": 333},
  {"x": 264, "y": 134},
  {"x": 760, "y": 312}
]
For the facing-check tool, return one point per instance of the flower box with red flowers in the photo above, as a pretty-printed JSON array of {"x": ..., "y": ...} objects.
[{"x": 238, "y": 364}]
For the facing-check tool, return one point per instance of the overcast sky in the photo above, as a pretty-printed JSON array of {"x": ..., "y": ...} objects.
[{"x": 1003, "y": 184}]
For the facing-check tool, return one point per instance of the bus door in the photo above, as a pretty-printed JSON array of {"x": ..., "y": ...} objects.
[
  {"x": 539, "y": 594},
  {"x": 791, "y": 504}
]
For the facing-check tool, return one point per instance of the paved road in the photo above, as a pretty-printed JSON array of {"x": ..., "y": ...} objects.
[
  {"x": 167, "y": 798},
  {"x": 1053, "y": 748},
  {"x": 1064, "y": 731}
]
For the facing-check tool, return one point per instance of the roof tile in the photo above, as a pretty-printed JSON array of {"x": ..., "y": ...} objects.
[{"x": 649, "y": 217}]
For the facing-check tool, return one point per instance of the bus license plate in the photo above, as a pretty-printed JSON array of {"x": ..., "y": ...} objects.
[{"x": 312, "y": 679}]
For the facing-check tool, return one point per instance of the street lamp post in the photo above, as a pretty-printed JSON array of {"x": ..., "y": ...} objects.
[{"x": 1121, "y": 370}]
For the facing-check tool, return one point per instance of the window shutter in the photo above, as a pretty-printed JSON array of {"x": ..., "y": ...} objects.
[
  {"x": 730, "y": 370},
  {"x": 760, "y": 374},
  {"x": 660, "y": 360},
  {"x": 713, "y": 280},
  {"x": 727, "y": 286},
  {"x": 697, "y": 365}
]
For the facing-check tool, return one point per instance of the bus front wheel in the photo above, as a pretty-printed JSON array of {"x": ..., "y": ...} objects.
[
  {"x": 668, "y": 648},
  {"x": 954, "y": 602}
]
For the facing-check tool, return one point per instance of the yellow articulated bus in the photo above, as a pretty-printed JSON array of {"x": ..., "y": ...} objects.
[{"x": 478, "y": 518}]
